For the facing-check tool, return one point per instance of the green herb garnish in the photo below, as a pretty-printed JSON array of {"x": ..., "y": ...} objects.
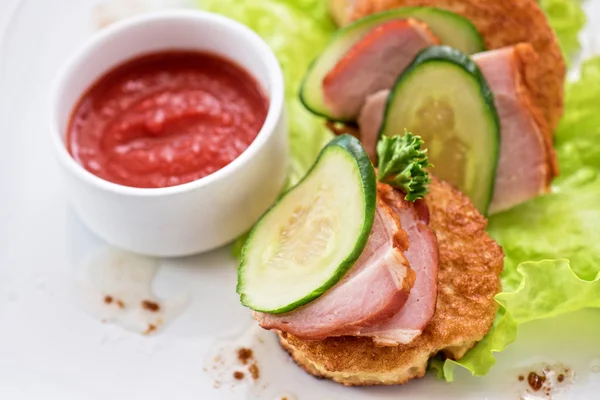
[{"x": 402, "y": 164}]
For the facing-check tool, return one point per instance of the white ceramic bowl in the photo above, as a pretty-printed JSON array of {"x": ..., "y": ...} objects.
[{"x": 200, "y": 215}]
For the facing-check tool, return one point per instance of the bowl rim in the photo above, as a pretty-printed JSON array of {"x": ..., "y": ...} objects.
[{"x": 269, "y": 128}]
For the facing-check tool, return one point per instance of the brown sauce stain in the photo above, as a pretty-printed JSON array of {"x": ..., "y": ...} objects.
[
  {"x": 238, "y": 375},
  {"x": 245, "y": 355},
  {"x": 535, "y": 381},
  {"x": 150, "y": 305},
  {"x": 254, "y": 371},
  {"x": 151, "y": 328}
]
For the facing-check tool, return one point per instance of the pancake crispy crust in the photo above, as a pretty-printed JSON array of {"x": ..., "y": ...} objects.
[
  {"x": 502, "y": 23},
  {"x": 469, "y": 270}
]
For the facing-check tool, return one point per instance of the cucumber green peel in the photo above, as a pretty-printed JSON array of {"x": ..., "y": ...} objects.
[
  {"x": 402, "y": 164},
  {"x": 313, "y": 235}
]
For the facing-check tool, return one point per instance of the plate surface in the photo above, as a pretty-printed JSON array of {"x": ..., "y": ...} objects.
[{"x": 51, "y": 348}]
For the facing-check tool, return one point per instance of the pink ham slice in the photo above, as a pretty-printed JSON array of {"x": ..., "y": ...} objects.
[
  {"x": 376, "y": 287},
  {"x": 372, "y": 64},
  {"x": 370, "y": 120},
  {"x": 422, "y": 254},
  {"x": 527, "y": 161}
]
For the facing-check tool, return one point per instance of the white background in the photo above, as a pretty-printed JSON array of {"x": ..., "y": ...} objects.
[{"x": 51, "y": 349}]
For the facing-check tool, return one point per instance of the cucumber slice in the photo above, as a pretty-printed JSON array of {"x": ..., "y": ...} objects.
[
  {"x": 444, "y": 98},
  {"x": 452, "y": 30},
  {"x": 313, "y": 235}
]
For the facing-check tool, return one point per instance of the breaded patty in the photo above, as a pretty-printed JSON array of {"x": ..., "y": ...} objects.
[
  {"x": 501, "y": 23},
  {"x": 470, "y": 266}
]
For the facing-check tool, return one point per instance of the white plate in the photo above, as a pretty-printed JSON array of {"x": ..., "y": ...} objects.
[{"x": 50, "y": 348}]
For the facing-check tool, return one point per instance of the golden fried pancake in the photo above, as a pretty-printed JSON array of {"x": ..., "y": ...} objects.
[
  {"x": 469, "y": 270},
  {"x": 501, "y": 23}
]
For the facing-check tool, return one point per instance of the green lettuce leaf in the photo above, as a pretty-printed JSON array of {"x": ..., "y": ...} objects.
[
  {"x": 545, "y": 295},
  {"x": 578, "y": 135},
  {"x": 566, "y": 18},
  {"x": 560, "y": 225}
]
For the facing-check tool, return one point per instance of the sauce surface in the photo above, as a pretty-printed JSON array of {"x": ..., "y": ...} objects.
[{"x": 166, "y": 119}]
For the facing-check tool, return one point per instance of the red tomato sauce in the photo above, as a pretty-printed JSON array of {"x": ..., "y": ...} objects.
[{"x": 166, "y": 119}]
